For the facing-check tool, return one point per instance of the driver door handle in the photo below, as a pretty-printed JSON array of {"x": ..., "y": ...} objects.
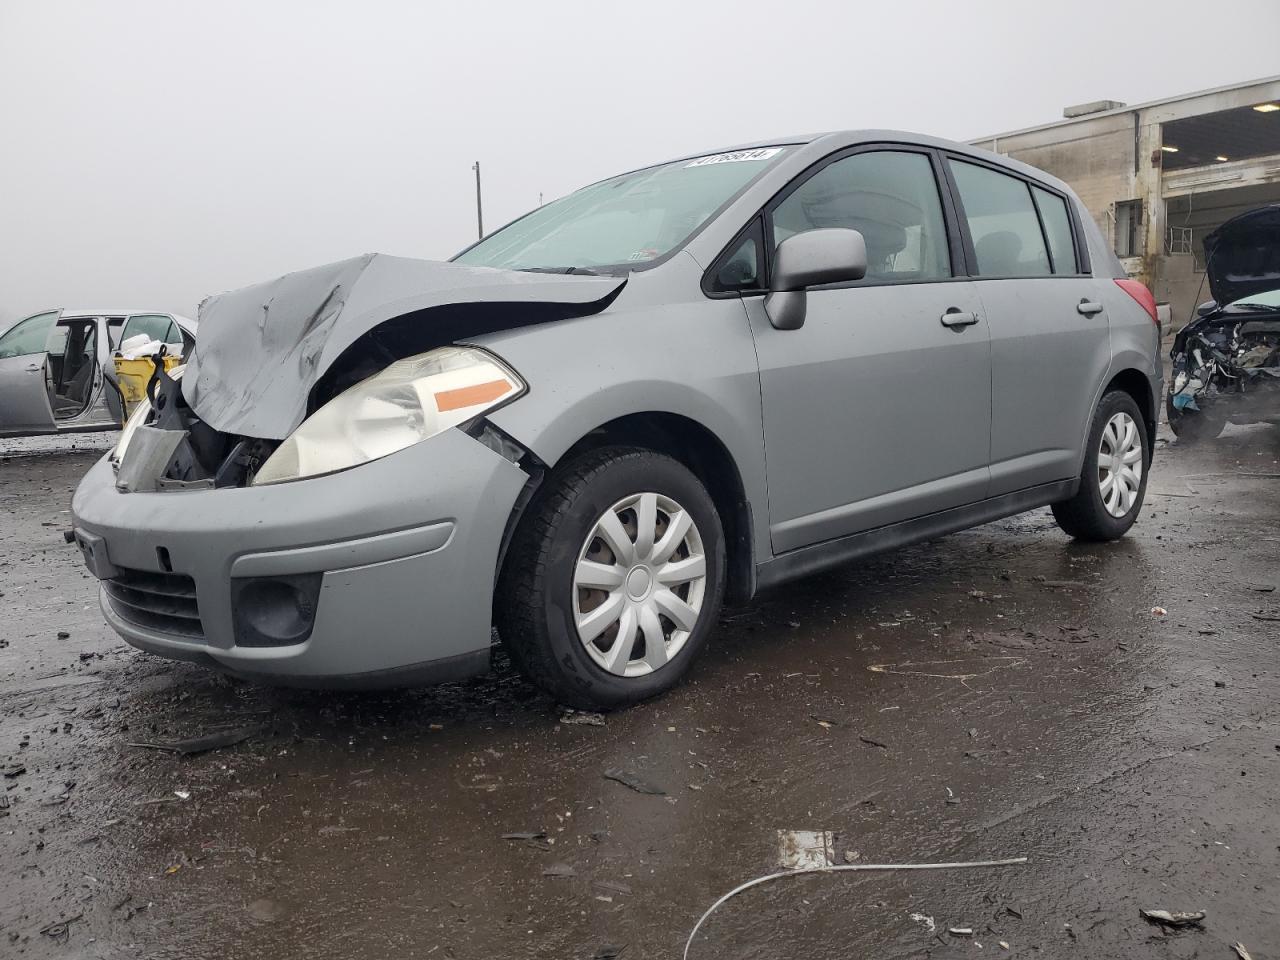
[
  {"x": 34, "y": 368},
  {"x": 956, "y": 318},
  {"x": 1088, "y": 307}
]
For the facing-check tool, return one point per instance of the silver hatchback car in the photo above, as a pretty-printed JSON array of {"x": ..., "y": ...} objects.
[{"x": 674, "y": 386}]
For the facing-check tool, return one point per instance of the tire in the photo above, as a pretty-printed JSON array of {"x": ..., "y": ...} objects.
[
  {"x": 541, "y": 601},
  {"x": 1192, "y": 426},
  {"x": 1087, "y": 515}
]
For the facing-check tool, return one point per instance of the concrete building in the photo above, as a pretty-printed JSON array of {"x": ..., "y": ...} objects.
[{"x": 1159, "y": 176}]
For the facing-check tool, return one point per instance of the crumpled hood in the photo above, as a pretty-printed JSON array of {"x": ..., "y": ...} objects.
[
  {"x": 1242, "y": 256},
  {"x": 261, "y": 349}
]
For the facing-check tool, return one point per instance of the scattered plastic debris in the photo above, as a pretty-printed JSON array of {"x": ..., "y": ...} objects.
[
  {"x": 60, "y": 931},
  {"x": 804, "y": 849},
  {"x": 581, "y": 718},
  {"x": 210, "y": 741},
  {"x": 560, "y": 871},
  {"x": 1241, "y": 952},
  {"x": 842, "y": 868},
  {"x": 960, "y": 931},
  {"x": 634, "y": 781},
  {"x": 949, "y": 669},
  {"x": 1175, "y": 918},
  {"x": 1159, "y": 611},
  {"x": 926, "y": 920}
]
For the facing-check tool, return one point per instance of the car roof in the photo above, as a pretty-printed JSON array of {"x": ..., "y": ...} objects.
[
  {"x": 103, "y": 312},
  {"x": 76, "y": 313},
  {"x": 832, "y": 140}
]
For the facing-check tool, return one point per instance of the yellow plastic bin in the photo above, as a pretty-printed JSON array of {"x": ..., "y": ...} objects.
[{"x": 133, "y": 377}]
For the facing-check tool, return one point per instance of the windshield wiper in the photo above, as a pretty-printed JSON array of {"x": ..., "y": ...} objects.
[{"x": 582, "y": 271}]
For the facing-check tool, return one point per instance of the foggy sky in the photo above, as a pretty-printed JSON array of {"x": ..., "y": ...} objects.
[{"x": 152, "y": 153}]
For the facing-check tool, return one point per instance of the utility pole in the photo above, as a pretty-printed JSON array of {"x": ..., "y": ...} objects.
[{"x": 479, "y": 212}]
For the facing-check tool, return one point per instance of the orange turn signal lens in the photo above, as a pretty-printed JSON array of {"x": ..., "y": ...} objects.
[{"x": 471, "y": 396}]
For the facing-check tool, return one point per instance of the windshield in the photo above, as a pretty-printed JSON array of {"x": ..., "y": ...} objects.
[
  {"x": 1268, "y": 298},
  {"x": 623, "y": 222}
]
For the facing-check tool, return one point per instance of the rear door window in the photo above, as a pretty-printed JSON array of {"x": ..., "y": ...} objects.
[
  {"x": 157, "y": 326},
  {"x": 891, "y": 198},
  {"x": 1057, "y": 227},
  {"x": 1002, "y": 221}
]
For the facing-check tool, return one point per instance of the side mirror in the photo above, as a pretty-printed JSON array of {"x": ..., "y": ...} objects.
[
  {"x": 828, "y": 255},
  {"x": 1206, "y": 308}
]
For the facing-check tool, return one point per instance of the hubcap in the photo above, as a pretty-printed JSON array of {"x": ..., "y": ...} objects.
[
  {"x": 1120, "y": 464},
  {"x": 639, "y": 584}
]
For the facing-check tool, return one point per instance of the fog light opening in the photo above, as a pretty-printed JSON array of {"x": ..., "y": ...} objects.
[{"x": 274, "y": 611}]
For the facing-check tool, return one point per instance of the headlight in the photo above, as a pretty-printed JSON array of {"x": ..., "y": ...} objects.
[
  {"x": 136, "y": 419},
  {"x": 410, "y": 401}
]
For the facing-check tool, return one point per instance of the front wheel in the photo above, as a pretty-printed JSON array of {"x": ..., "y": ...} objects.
[
  {"x": 613, "y": 580},
  {"x": 1114, "y": 479}
]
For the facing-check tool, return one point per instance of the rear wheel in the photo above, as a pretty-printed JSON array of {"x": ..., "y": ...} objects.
[
  {"x": 1114, "y": 479},
  {"x": 613, "y": 580}
]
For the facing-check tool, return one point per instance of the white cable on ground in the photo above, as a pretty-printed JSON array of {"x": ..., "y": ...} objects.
[{"x": 840, "y": 868}]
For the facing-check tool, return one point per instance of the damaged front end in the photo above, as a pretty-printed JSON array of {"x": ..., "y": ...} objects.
[
  {"x": 1226, "y": 369},
  {"x": 166, "y": 446},
  {"x": 1226, "y": 363},
  {"x": 328, "y": 368}
]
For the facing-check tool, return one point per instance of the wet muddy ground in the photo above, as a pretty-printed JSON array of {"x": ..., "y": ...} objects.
[{"x": 998, "y": 693}]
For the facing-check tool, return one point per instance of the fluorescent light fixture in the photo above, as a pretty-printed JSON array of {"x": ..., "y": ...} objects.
[
  {"x": 1222, "y": 159},
  {"x": 1267, "y": 107},
  {"x": 1169, "y": 149}
]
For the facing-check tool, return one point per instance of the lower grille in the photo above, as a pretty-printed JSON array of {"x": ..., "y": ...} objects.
[{"x": 164, "y": 602}]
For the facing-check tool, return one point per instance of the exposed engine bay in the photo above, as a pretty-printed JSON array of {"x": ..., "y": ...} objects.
[
  {"x": 1226, "y": 361},
  {"x": 1228, "y": 366},
  {"x": 176, "y": 450}
]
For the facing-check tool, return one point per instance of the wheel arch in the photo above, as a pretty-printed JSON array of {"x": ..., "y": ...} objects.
[
  {"x": 1138, "y": 385},
  {"x": 696, "y": 447}
]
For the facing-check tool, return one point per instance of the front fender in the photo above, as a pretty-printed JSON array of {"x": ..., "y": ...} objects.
[{"x": 695, "y": 360}]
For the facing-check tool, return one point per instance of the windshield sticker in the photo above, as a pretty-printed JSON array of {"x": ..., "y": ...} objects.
[{"x": 736, "y": 156}]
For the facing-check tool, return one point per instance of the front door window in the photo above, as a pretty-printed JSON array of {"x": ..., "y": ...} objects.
[{"x": 891, "y": 198}]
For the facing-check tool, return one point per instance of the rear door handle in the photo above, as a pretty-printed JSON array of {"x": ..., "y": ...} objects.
[
  {"x": 1088, "y": 307},
  {"x": 34, "y": 368},
  {"x": 955, "y": 317}
]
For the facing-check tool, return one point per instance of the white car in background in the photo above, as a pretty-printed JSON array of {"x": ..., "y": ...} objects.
[{"x": 57, "y": 373}]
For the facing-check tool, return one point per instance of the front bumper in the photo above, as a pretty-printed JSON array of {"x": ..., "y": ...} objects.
[{"x": 405, "y": 549}]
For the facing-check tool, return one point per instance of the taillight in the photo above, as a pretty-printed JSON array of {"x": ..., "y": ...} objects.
[{"x": 1142, "y": 295}]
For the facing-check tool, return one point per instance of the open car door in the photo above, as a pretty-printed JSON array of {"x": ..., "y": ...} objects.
[{"x": 24, "y": 371}]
